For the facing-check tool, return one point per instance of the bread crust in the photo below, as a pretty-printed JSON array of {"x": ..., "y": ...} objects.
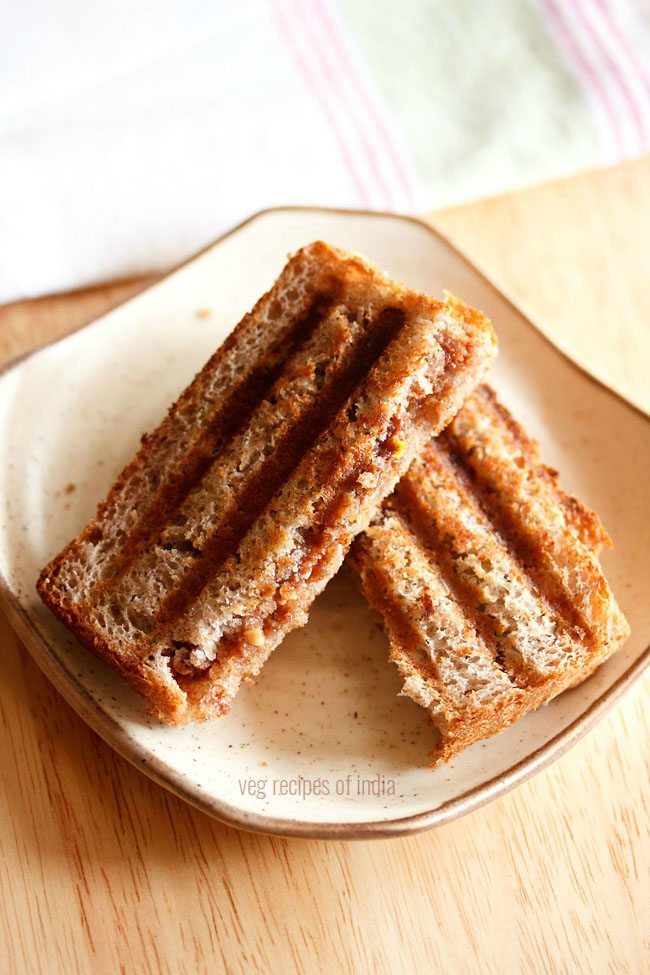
[
  {"x": 213, "y": 542},
  {"x": 484, "y": 572}
]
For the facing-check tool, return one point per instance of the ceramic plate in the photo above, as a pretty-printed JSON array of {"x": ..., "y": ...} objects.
[{"x": 322, "y": 745}]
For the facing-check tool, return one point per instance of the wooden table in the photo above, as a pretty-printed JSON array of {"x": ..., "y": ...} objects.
[{"x": 102, "y": 871}]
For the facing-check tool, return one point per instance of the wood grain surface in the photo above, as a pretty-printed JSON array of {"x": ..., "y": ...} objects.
[{"x": 101, "y": 871}]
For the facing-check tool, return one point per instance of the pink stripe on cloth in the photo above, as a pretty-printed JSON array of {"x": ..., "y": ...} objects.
[
  {"x": 603, "y": 48},
  {"x": 612, "y": 22},
  {"x": 312, "y": 79},
  {"x": 606, "y": 112},
  {"x": 358, "y": 84},
  {"x": 629, "y": 53},
  {"x": 345, "y": 103}
]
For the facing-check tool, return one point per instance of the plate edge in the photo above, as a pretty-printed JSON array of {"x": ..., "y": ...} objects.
[{"x": 163, "y": 774}]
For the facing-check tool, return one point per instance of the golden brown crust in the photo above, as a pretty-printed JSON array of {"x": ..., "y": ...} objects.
[
  {"x": 585, "y": 521},
  {"x": 484, "y": 573},
  {"x": 165, "y": 703},
  {"x": 216, "y": 538}
]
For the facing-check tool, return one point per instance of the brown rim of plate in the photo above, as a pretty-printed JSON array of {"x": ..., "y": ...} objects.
[{"x": 164, "y": 774}]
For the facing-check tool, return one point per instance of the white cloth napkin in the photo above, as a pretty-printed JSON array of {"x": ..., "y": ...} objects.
[{"x": 133, "y": 132}]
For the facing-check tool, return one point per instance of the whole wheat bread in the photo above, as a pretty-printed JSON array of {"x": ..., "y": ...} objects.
[
  {"x": 236, "y": 511},
  {"x": 486, "y": 576}
]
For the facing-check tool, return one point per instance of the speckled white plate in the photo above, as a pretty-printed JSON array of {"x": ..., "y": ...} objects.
[{"x": 321, "y": 745}]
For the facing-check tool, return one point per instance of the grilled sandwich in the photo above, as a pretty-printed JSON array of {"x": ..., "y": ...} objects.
[
  {"x": 486, "y": 576},
  {"x": 238, "y": 509}
]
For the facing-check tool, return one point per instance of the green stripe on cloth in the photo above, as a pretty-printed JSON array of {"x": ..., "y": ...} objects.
[{"x": 483, "y": 97}]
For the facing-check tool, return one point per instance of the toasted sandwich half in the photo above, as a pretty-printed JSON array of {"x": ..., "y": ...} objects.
[
  {"x": 236, "y": 511},
  {"x": 486, "y": 576}
]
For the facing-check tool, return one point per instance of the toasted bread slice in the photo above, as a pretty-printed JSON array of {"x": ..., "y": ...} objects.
[
  {"x": 487, "y": 579},
  {"x": 236, "y": 511}
]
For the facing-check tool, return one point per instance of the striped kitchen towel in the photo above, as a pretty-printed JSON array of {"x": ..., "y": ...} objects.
[{"x": 132, "y": 133}]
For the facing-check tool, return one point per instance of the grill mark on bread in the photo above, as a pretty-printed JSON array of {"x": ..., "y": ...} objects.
[
  {"x": 378, "y": 587},
  {"x": 257, "y": 492},
  {"x": 342, "y": 480},
  {"x": 216, "y": 499},
  {"x": 248, "y": 586},
  {"x": 380, "y": 388},
  {"x": 232, "y": 416},
  {"x": 451, "y": 501},
  {"x": 487, "y": 578},
  {"x": 187, "y": 415},
  {"x": 525, "y": 548},
  {"x": 524, "y": 503},
  {"x": 429, "y": 633},
  {"x": 319, "y": 552},
  {"x": 585, "y": 521},
  {"x": 427, "y": 533}
]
